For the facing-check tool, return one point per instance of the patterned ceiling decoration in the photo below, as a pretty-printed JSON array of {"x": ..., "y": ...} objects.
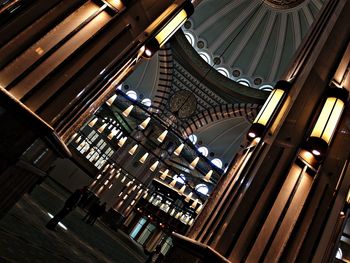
[{"x": 264, "y": 36}]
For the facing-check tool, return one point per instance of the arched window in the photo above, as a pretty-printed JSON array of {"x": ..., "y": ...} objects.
[
  {"x": 203, "y": 150},
  {"x": 147, "y": 102},
  {"x": 202, "y": 188},
  {"x": 181, "y": 179},
  {"x": 266, "y": 87},
  {"x": 193, "y": 138},
  {"x": 223, "y": 71},
  {"x": 217, "y": 162},
  {"x": 206, "y": 57},
  {"x": 244, "y": 82},
  {"x": 190, "y": 38},
  {"x": 132, "y": 94}
]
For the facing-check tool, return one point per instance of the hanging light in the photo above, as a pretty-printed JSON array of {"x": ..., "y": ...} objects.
[
  {"x": 208, "y": 176},
  {"x": 144, "y": 124},
  {"x": 112, "y": 134},
  {"x": 178, "y": 150},
  {"x": 269, "y": 109},
  {"x": 127, "y": 111},
  {"x": 133, "y": 149},
  {"x": 182, "y": 190},
  {"x": 93, "y": 122},
  {"x": 164, "y": 174},
  {"x": 78, "y": 140},
  {"x": 199, "y": 208},
  {"x": 116, "y": 5},
  {"x": 154, "y": 166},
  {"x": 143, "y": 158},
  {"x": 122, "y": 141},
  {"x": 123, "y": 180},
  {"x": 178, "y": 19},
  {"x": 188, "y": 197},
  {"x": 194, "y": 204},
  {"x": 173, "y": 182},
  {"x": 193, "y": 164},
  {"x": 110, "y": 101},
  {"x": 102, "y": 128},
  {"x": 162, "y": 136},
  {"x": 327, "y": 121}
]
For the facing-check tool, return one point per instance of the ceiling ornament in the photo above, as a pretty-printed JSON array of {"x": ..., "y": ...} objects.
[{"x": 284, "y": 4}]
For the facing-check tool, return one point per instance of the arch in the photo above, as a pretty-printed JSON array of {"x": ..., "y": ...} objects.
[
  {"x": 225, "y": 111},
  {"x": 165, "y": 78}
]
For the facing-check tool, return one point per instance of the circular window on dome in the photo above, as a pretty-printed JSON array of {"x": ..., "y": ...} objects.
[
  {"x": 202, "y": 188},
  {"x": 132, "y": 94},
  {"x": 244, "y": 82},
  {"x": 193, "y": 138},
  {"x": 203, "y": 150},
  {"x": 217, "y": 162},
  {"x": 147, "y": 102}
]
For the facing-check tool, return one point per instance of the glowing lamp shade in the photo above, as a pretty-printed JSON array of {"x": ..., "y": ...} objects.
[
  {"x": 182, "y": 190},
  {"x": 194, "y": 204},
  {"x": 133, "y": 149},
  {"x": 169, "y": 29},
  {"x": 127, "y": 111},
  {"x": 93, "y": 122},
  {"x": 164, "y": 174},
  {"x": 270, "y": 107},
  {"x": 154, "y": 166},
  {"x": 144, "y": 124},
  {"x": 110, "y": 101},
  {"x": 208, "y": 176},
  {"x": 162, "y": 136},
  {"x": 143, "y": 158},
  {"x": 122, "y": 141},
  {"x": 327, "y": 121},
  {"x": 193, "y": 164},
  {"x": 178, "y": 150},
  {"x": 117, "y": 5},
  {"x": 102, "y": 128},
  {"x": 188, "y": 197}
]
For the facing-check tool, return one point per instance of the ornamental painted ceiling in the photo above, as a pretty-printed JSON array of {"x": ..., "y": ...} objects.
[
  {"x": 251, "y": 40},
  {"x": 211, "y": 79}
]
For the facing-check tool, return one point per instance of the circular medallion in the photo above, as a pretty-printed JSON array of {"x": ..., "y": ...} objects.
[
  {"x": 284, "y": 4},
  {"x": 183, "y": 104}
]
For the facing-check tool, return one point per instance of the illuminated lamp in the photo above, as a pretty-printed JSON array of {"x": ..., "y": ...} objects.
[
  {"x": 268, "y": 110},
  {"x": 127, "y": 111},
  {"x": 154, "y": 166},
  {"x": 182, "y": 190},
  {"x": 327, "y": 122},
  {"x": 143, "y": 158},
  {"x": 110, "y": 101},
  {"x": 178, "y": 150},
  {"x": 162, "y": 136},
  {"x": 169, "y": 29},
  {"x": 102, "y": 128},
  {"x": 133, "y": 149},
  {"x": 188, "y": 197},
  {"x": 122, "y": 141},
  {"x": 208, "y": 176},
  {"x": 164, "y": 174},
  {"x": 144, "y": 124},
  {"x": 193, "y": 164},
  {"x": 93, "y": 122},
  {"x": 116, "y": 5}
]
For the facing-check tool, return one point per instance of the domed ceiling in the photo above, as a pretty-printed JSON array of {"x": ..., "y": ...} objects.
[
  {"x": 259, "y": 40},
  {"x": 250, "y": 41}
]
